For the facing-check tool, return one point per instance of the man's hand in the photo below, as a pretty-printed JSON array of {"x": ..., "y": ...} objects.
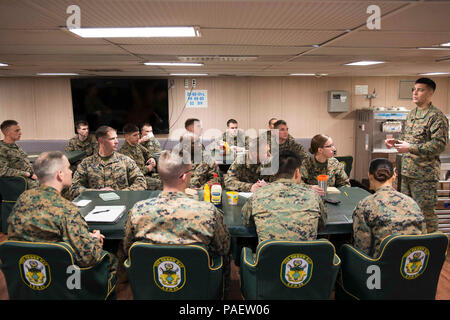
[
  {"x": 97, "y": 235},
  {"x": 402, "y": 146},
  {"x": 143, "y": 139},
  {"x": 151, "y": 161},
  {"x": 151, "y": 164},
  {"x": 106, "y": 189},
  {"x": 390, "y": 143},
  {"x": 258, "y": 184},
  {"x": 318, "y": 189}
]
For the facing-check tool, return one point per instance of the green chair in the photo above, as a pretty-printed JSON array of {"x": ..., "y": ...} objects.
[
  {"x": 173, "y": 272},
  {"x": 347, "y": 161},
  {"x": 408, "y": 267},
  {"x": 46, "y": 271},
  {"x": 289, "y": 270},
  {"x": 10, "y": 189}
]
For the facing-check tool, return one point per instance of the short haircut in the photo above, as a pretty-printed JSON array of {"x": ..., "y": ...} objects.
[
  {"x": 190, "y": 122},
  {"x": 8, "y": 123},
  {"x": 381, "y": 169},
  {"x": 279, "y": 123},
  {"x": 427, "y": 81},
  {"x": 146, "y": 124},
  {"x": 318, "y": 141},
  {"x": 102, "y": 132},
  {"x": 271, "y": 119},
  {"x": 289, "y": 162},
  {"x": 231, "y": 121},
  {"x": 47, "y": 164},
  {"x": 171, "y": 166},
  {"x": 130, "y": 128},
  {"x": 80, "y": 123}
]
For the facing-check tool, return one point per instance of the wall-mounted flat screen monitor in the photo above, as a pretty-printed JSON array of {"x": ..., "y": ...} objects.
[{"x": 117, "y": 101}]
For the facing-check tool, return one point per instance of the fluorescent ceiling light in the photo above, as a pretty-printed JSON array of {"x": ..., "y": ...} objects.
[
  {"x": 146, "y": 32},
  {"x": 175, "y": 64},
  {"x": 363, "y": 63},
  {"x": 188, "y": 74},
  {"x": 3, "y": 64},
  {"x": 434, "y": 48},
  {"x": 309, "y": 74},
  {"x": 433, "y": 73},
  {"x": 57, "y": 74},
  {"x": 446, "y": 44}
]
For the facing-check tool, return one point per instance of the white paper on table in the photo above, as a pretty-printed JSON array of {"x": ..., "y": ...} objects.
[
  {"x": 245, "y": 194},
  {"x": 333, "y": 190},
  {"x": 81, "y": 203},
  {"x": 105, "y": 214}
]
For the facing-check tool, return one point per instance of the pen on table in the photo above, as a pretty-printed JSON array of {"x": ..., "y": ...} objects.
[{"x": 100, "y": 211}]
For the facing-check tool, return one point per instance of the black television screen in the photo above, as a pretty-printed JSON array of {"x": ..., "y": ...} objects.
[{"x": 117, "y": 101}]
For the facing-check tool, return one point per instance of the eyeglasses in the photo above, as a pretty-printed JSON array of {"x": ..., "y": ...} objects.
[{"x": 330, "y": 146}]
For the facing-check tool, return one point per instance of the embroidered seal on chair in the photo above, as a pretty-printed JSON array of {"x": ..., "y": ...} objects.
[
  {"x": 169, "y": 274},
  {"x": 414, "y": 262},
  {"x": 296, "y": 270},
  {"x": 35, "y": 272}
]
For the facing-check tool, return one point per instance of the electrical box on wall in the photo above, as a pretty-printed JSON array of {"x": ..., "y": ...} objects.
[{"x": 338, "y": 101}]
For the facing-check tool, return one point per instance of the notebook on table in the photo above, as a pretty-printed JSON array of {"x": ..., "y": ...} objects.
[{"x": 105, "y": 214}]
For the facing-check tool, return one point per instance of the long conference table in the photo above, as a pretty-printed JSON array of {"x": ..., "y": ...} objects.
[{"x": 339, "y": 216}]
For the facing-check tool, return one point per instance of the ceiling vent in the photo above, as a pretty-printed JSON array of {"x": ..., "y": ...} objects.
[{"x": 217, "y": 58}]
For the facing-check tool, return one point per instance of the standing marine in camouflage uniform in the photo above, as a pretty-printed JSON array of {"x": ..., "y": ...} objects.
[
  {"x": 144, "y": 159},
  {"x": 246, "y": 172},
  {"x": 384, "y": 213},
  {"x": 322, "y": 162},
  {"x": 286, "y": 142},
  {"x": 107, "y": 170},
  {"x": 424, "y": 137},
  {"x": 173, "y": 217},
  {"x": 42, "y": 214},
  {"x": 286, "y": 209},
  {"x": 13, "y": 160},
  {"x": 82, "y": 141},
  {"x": 148, "y": 140}
]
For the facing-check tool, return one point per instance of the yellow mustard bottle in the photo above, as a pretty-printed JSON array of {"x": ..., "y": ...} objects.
[{"x": 206, "y": 193}]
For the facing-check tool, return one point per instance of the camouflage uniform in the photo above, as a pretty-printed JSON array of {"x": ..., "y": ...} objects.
[
  {"x": 42, "y": 214},
  {"x": 240, "y": 140},
  {"x": 174, "y": 218},
  {"x": 242, "y": 175},
  {"x": 118, "y": 172},
  {"x": 152, "y": 145},
  {"x": 337, "y": 177},
  {"x": 293, "y": 146},
  {"x": 284, "y": 210},
  {"x": 14, "y": 163},
  {"x": 427, "y": 132},
  {"x": 202, "y": 173},
  {"x": 141, "y": 155},
  {"x": 90, "y": 145},
  {"x": 384, "y": 213}
]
